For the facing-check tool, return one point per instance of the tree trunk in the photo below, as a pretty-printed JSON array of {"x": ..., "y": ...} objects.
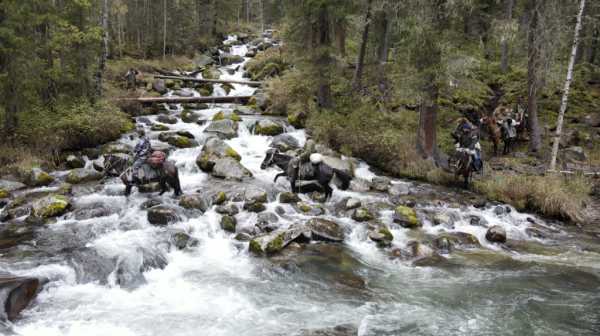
[
  {"x": 324, "y": 99},
  {"x": 164, "y": 29},
  {"x": 565, "y": 97},
  {"x": 384, "y": 46},
  {"x": 104, "y": 49},
  {"x": 532, "y": 78},
  {"x": 427, "y": 133},
  {"x": 595, "y": 45},
  {"x": 12, "y": 99},
  {"x": 504, "y": 45},
  {"x": 340, "y": 34},
  {"x": 356, "y": 83}
]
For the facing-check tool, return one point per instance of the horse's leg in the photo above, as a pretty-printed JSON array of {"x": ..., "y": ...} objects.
[
  {"x": 128, "y": 188},
  {"x": 293, "y": 185},
  {"x": 176, "y": 184},
  {"x": 163, "y": 185},
  {"x": 278, "y": 176}
]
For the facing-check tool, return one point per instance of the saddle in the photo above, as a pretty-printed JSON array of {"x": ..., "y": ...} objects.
[{"x": 306, "y": 171}]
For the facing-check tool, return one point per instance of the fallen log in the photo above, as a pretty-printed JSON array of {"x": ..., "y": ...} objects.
[
  {"x": 181, "y": 100},
  {"x": 214, "y": 81}
]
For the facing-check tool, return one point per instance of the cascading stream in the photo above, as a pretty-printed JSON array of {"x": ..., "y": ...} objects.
[{"x": 118, "y": 274}]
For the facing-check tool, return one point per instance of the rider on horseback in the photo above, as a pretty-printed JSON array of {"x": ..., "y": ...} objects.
[
  {"x": 142, "y": 152},
  {"x": 305, "y": 155},
  {"x": 467, "y": 139}
]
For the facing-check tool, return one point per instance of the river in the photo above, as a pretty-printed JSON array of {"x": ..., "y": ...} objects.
[{"x": 535, "y": 285}]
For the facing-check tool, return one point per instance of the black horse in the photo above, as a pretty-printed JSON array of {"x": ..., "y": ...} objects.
[
  {"x": 322, "y": 173},
  {"x": 168, "y": 175},
  {"x": 463, "y": 166}
]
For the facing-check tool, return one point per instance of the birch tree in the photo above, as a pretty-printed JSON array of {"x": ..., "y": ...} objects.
[{"x": 565, "y": 97}]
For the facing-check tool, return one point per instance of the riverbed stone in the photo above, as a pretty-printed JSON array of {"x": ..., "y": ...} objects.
[
  {"x": 276, "y": 241},
  {"x": 51, "y": 206},
  {"x": 288, "y": 197},
  {"x": 228, "y": 223},
  {"x": 406, "y": 217},
  {"x": 339, "y": 164},
  {"x": 325, "y": 230},
  {"x": 309, "y": 209},
  {"x": 182, "y": 240},
  {"x": 117, "y": 148},
  {"x": 36, "y": 177},
  {"x": 227, "y": 115},
  {"x": 182, "y": 142},
  {"x": 362, "y": 215},
  {"x": 194, "y": 201},
  {"x": 83, "y": 175},
  {"x": 166, "y": 119},
  {"x": 11, "y": 186},
  {"x": 229, "y": 59},
  {"x": 267, "y": 127},
  {"x": 227, "y": 209},
  {"x": 162, "y": 215},
  {"x": 382, "y": 236},
  {"x": 267, "y": 221},
  {"x": 360, "y": 185},
  {"x": 93, "y": 211},
  {"x": 215, "y": 149},
  {"x": 224, "y": 129},
  {"x": 188, "y": 116},
  {"x": 381, "y": 183},
  {"x": 284, "y": 143},
  {"x": 496, "y": 234},
  {"x": 230, "y": 169},
  {"x": 16, "y": 294},
  {"x": 352, "y": 203}
]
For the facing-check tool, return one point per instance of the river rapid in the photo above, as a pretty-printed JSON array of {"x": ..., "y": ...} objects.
[{"x": 119, "y": 275}]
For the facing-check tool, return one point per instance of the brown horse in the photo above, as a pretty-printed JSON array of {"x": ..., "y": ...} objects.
[{"x": 493, "y": 130}]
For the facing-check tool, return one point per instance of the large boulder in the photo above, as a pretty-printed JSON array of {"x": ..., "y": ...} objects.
[
  {"x": 267, "y": 221},
  {"x": 188, "y": 116},
  {"x": 325, "y": 230},
  {"x": 166, "y": 119},
  {"x": 496, "y": 234},
  {"x": 15, "y": 295},
  {"x": 161, "y": 215},
  {"x": 36, "y": 177},
  {"x": 228, "y": 223},
  {"x": 231, "y": 115},
  {"x": 10, "y": 186},
  {"x": 74, "y": 162},
  {"x": 289, "y": 197},
  {"x": 360, "y": 185},
  {"x": 83, "y": 175},
  {"x": 229, "y": 59},
  {"x": 284, "y": 143},
  {"x": 406, "y": 217},
  {"x": 267, "y": 127},
  {"x": 224, "y": 129},
  {"x": 382, "y": 236},
  {"x": 274, "y": 242},
  {"x": 230, "y": 169},
  {"x": 362, "y": 215},
  {"x": 94, "y": 210},
  {"x": 255, "y": 194},
  {"x": 213, "y": 150},
  {"x": 51, "y": 206},
  {"x": 160, "y": 86},
  {"x": 194, "y": 201},
  {"x": 182, "y": 142}
]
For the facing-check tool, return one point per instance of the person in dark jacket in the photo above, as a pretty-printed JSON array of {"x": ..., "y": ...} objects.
[{"x": 141, "y": 152}]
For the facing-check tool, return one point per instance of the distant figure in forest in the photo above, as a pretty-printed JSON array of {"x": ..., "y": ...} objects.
[
  {"x": 131, "y": 78},
  {"x": 520, "y": 115},
  {"x": 467, "y": 138},
  {"x": 509, "y": 133}
]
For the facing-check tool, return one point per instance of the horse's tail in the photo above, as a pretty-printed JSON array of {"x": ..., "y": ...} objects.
[{"x": 344, "y": 177}]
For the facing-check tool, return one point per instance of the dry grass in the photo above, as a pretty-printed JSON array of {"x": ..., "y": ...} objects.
[
  {"x": 14, "y": 158},
  {"x": 551, "y": 195}
]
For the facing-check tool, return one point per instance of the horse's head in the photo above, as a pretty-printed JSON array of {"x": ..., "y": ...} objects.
[{"x": 269, "y": 159}]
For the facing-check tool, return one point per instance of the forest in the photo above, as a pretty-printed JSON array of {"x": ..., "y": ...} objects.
[{"x": 442, "y": 125}]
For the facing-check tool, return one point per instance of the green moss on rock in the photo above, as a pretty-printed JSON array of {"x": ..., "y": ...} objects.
[
  {"x": 233, "y": 154},
  {"x": 406, "y": 217},
  {"x": 255, "y": 247},
  {"x": 51, "y": 206},
  {"x": 275, "y": 245},
  {"x": 4, "y": 193}
]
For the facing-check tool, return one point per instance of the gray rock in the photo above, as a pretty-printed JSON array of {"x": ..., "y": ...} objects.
[
  {"x": 11, "y": 186},
  {"x": 162, "y": 215},
  {"x": 224, "y": 129},
  {"x": 381, "y": 183},
  {"x": 575, "y": 154},
  {"x": 194, "y": 201},
  {"x": 230, "y": 169},
  {"x": 182, "y": 240},
  {"x": 160, "y": 86},
  {"x": 202, "y": 60},
  {"x": 276, "y": 241},
  {"x": 51, "y": 206},
  {"x": 339, "y": 164},
  {"x": 284, "y": 143},
  {"x": 362, "y": 215},
  {"x": 215, "y": 149},
  {"x": 255, "y": 194},
  {"x": 229, "y": 59},
  {"x": 267, "y": 221},
  {"x": 288, "y": 197},
  {"x": 229, "y": 209},
  {"x": 93, "y": 211},
  {"x": 360, "y": 185},
  {"x": 16, "y": 293},
  {"x": 83, "y": 175},
  {"x": 352, "y": 203},
  {"x": 267, "y": 127},
  {"x": 228, "y": 223},
  {"x": 325, "y": 230},
  {"x": 166, "y": 119},
  {"x": 401, "y": 189},
  {"x": 496, "y": 234}
]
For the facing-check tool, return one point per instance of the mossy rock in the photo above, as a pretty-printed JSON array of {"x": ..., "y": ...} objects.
[
  {"x": 159, "y": 128},
  {"x": 275, "y": 245},
  {"x": 182, "y": 142},
  {"x": 227, "y": 87},
  {"x": 406, "y": 217},
  {"x": 362, "y": 215},
  {"x": 227, "y": 115},
  {"x": 36, "y": 177},
  {"x": 4, "y": 194},
  {"x": 298, "y": 120},
  {"x": 82, "y": 175},
  {"x": 206, "y": 88},
  {"x": 267, "y": 127},
  {"x": 220, "y": 198},
  {"x": 228, "y": 223},
  {"x": 288, "y": 197},
  {"x": 230, "y": 152},
  {"x": 304, "y": 207},
  {"x": 171, "y": 84},
  {"x": 255, "y": 247},
  {"x": 188, "y": 116},
  {"x": 51, "y": 206},
  {"x": 210, "y": 73}
]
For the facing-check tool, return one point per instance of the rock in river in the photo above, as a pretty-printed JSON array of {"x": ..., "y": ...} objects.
[
  {"x": 267, "y": 127},
  {"x": 15, "y": 294},
  {"x": 496, "y": 234},
  {"x": 162, "y": 215},
  {"x": 276, "y": 241},
  {"x": 230, "y": 169},
  {"x": 325, "y": 230},
  {"x": 406, "y": 217},
  {"x": 51, "y": 206},
  {"x": 213, "y": 150},
  {"x": 82, "y": 175},
  {"x": 224, "y": 129}
]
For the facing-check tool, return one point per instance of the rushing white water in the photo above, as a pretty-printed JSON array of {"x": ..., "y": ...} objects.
[{"x": 218, "y": 288}]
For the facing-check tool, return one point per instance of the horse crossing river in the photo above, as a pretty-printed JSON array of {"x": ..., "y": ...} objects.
[{"x": 117, "y": 274}]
